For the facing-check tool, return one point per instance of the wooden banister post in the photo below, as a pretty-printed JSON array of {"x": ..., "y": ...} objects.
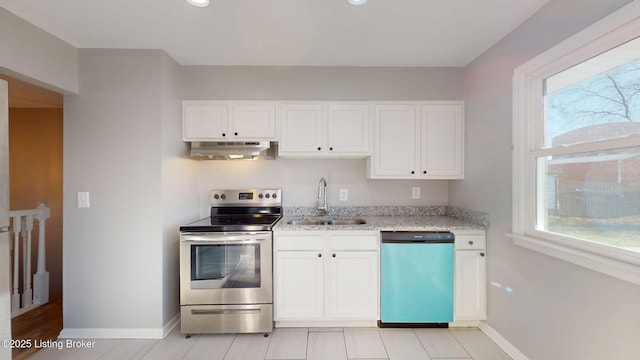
[
  {"x": 41, "y": 277},
  {"x": 27, "y": 294},
  {"x": 15, "y": 296}
]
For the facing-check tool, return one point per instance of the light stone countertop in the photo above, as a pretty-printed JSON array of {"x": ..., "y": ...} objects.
[
  {"x": 385, "y": 223},
  {"x": 389, "y": 219}
]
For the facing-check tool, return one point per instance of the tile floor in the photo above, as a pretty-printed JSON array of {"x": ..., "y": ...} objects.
[{"x": 295, "y": 343}]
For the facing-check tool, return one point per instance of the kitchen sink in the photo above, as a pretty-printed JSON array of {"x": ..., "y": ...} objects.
[
  {"x": 306, "y": 222},
  {"x": 327, "y": 222},
  {"x": 346, "y": 222}
]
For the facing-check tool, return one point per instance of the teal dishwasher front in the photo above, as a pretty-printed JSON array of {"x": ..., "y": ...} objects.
[{"x": 416, "y": 279}]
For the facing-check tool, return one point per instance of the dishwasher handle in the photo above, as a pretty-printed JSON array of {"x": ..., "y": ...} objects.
[{"x": 399, "y": 237}]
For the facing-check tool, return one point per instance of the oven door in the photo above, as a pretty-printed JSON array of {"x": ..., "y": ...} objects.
[{"x": 226, "y": 268}]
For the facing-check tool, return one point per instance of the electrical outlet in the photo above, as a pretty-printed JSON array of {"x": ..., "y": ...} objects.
[
  {"x": 344, "y": 195},
  {"x": 415, "y": 192}
]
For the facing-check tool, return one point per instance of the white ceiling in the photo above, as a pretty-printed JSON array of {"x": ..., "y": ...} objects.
[{"x": 285, "y": 32}]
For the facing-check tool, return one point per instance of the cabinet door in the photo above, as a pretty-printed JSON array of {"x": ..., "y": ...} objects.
[
  {"x": 353, "y": 285},
  {"x": 299, "y": 285},
  {"x": 348, "y": 129},
  {"x": 442, "y": 149},
  {"x": 202, "y": 121},
  {"x": 470, "y": 277},
  {"x": 253, "y": 121},
  {"x": 301, "y": 130},
  {"x": 396, "y": 138}
]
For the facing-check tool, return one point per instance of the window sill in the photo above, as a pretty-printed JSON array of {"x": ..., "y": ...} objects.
[{"x": 597, "y": 262}]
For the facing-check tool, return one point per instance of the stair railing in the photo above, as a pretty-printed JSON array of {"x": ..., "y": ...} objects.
[{"x": 28, "y": 294}]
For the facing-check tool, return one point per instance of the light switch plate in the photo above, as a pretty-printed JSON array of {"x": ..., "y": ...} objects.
[{"x": 83, "y": 199}]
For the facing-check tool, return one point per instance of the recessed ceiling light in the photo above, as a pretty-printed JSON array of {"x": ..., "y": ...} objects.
[
  {"x": 357, "y": 2},
  {"x": 199, "y": 3}
]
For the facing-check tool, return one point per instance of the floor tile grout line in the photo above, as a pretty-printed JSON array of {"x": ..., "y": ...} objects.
[
  {"x": 266, "y": 353},
  {"x": 382, "y": 342},
  {"x": 306, "y": 353},
  {"x": 461, "y": 345},
  {"x": 344, "y": 341},
  {"x": 229, "y": 347}
]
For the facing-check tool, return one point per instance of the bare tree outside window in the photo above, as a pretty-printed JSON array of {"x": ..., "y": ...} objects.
[{"x": 594, "y": 196}]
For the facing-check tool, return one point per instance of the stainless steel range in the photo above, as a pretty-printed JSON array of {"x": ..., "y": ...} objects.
[{"x": 226, "y": 264}]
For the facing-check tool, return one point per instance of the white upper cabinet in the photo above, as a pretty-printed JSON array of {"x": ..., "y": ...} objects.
[
  {"x": 442, "y": 141},
  {"x": 324, "y": 130},
  {"x": 301, "y": 129},
  {"x": 204, "y": 120},
  {"x": 253, "y": 121},
  {"x": 418, "y": 141},
  {"x": 348, "y": 129},
  {"x": 396, "y": 140},
  {"x": 228, "y": 121}
]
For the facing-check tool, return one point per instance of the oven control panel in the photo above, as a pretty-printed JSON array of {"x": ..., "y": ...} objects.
[{"x": 249, "y": 197}]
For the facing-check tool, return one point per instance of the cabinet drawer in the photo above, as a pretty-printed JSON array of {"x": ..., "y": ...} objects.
[
  {"x": 470, "y": 242},
  {"x": 299, "y": 243},
  {"x": 351, "y": 242}
]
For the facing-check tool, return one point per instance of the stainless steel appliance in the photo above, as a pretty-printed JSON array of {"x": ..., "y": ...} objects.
[
  {"x": 416, "y": 279},
  {"x": 226, "y": 264}
]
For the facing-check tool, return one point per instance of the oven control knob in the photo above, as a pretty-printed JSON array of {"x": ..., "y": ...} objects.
[
  {"x": 267, "y": 196},
  {"x": 223, "y": 196},
  {"x": 260, "y": 196},
  {"x": 274, "y": 195},
  {"x": 216, "y": 196}
]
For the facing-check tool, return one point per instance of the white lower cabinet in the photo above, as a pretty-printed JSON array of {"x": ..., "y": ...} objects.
[
  {"x": 353, "y": 289},
  {"x": 470, "y": 276},
  {"x": 326, "y": 278},
  {"x": 299, "y": 284}
]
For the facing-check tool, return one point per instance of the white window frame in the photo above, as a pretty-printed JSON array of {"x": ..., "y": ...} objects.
[{"x": 617, "y": 28}]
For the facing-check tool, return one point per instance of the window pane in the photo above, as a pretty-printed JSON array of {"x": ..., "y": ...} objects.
[
  {"x": 592, "y": 196},
  {"x": 598, "y": 99}
]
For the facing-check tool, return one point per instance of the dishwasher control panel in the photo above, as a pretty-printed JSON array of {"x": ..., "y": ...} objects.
[{"x": 417, "y": 236}]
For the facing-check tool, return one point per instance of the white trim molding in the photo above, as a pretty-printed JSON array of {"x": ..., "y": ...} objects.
[
  {"x": 111, "y": 333},
  {"x": 168, "y": 327},
  {"x": 502, "y": 342},
  {"x": 117, "y": 333},
  {"x": 596, "y": 262},
  {"x": 617, "y": 28}
]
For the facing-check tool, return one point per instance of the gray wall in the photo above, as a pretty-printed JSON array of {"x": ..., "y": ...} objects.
[
  {"x": 31, "y": 54},
  {"x": 299, "y": 178},
  {"x": 556, "y": 310},
  {"x": 122, "y": 144},
  {"x": 179, "y": 184}
]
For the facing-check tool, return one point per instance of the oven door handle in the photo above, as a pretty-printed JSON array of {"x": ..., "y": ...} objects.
[{"x": 238, "y": 238}]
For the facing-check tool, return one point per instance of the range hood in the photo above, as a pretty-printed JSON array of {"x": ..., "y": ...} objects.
[{"x": 239, "y": 150}]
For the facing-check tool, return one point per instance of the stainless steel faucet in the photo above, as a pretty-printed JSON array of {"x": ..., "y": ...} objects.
[{"x": 322, "y": 196}]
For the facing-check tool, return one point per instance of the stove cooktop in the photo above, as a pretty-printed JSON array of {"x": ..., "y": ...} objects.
[
  {"x": 231, "y": 224},
  {"x": 240, "y": 210}
]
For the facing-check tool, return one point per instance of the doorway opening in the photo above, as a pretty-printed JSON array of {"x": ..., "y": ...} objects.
[{"x": 35, "y": 173}]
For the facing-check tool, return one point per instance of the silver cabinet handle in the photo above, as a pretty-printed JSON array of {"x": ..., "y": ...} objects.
[{"x": 4, "y": 229}]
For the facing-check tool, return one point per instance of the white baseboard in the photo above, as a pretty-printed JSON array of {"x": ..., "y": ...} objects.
[
  {"x": 168, "y": 327},
  {"x": 326, "y": 323},
  {"x": 503, "y": 343},
  {"x": 110, "y": 333}
]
